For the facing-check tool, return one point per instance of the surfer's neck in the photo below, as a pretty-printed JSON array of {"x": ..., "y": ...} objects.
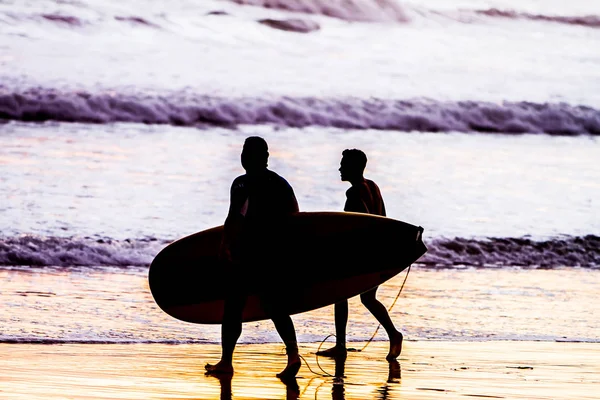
[
  {"x": 256, "y": 171},
  {"x": 357, "y": 180}
]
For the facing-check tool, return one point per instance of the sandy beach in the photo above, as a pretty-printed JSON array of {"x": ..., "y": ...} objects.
[{"x": 426, "y": 370}]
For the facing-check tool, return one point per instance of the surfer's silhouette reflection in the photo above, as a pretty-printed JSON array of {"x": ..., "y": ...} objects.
[
  {"x": 384, "y": 392},
  {"x": 395, "y": 372},
  {"x": 258, "y": 199},
  {"x": 225, "y": 383},
  {"x": 338, "y": 390},
  {"x": 292, "y": 389}
]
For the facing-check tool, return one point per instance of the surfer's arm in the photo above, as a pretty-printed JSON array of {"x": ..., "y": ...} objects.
[
  {"x": 232, "y": 227},
  {"x": 293, "y": 206},
  {"x": 354, "y": 203}
]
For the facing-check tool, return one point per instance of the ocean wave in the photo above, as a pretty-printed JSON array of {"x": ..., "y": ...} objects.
[
  {"x": 40, "y": 251},
  {"x": 590, "y": 21},
  {"x": 66, "y": 19},
  {"x": 393, "y": 11},
  {"x": 348, "y": 10},
  {"x": 86, "y": 14},
  {"x": 350, "y": 113},
  {"x": 559, "y": 252},
  {"x": 569, "y": 251},
  {"x": 67, "y": 16}
]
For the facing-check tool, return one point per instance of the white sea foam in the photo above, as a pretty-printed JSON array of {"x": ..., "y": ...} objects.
[{"x": 522, "y": 52}]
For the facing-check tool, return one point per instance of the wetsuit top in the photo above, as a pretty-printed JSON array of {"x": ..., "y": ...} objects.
[
  {"x": 262, "y": 196},
  {"x": 365, "y": 197},
  {"x": 258, "y": 201}
]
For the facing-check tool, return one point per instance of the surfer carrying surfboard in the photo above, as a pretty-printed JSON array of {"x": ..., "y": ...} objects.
[
  {"x": 258, "y": 199},
  {"x": 363, "y": 196}
]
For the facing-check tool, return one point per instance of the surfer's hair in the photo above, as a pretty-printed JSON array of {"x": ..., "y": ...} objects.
[
  {"x": 356, "y": 158},
  {"x": 256, "y": 144}
]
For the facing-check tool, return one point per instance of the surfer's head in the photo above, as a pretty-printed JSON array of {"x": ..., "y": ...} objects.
[
  {"x": 255, "y": 153},
  {"x": 353, "y": 164}
]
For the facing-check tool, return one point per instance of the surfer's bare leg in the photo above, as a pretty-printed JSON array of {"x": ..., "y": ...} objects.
[
  {"x": 285, "y": 327},
  {"x": 231, "y": 329},
  {"x": 379, "y": 311},
  {"x": 293, "y": 362},
  {"x": 341, "y": 321},
  {"x": 276, "y": 310}
]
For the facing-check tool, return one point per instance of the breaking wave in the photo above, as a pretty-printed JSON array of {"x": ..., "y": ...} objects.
[
  {"x": 351, "y": 113},
  {"x": 590, "y": 21},
  {"x": 348, "y": 10},
  {"x": 559, "y": 252},
  {"x": 64, "y": 14},
  {"x": 40, "y": 251},
  {"x": 569, "y": 251}
]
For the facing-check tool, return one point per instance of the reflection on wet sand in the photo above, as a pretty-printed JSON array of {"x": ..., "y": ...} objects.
[
  {"x": 292, "y": 390},
  {"x": 430, "y": 369},
  {"x": 394, "y": 374},
  {"x": 225, "y": 382},
  {"x": 338, "y": 389}
]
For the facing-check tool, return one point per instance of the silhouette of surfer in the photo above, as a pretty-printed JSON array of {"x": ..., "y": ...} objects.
[
  {"x": 258, "y": 200},
  {"x": 363, "y": 197}
]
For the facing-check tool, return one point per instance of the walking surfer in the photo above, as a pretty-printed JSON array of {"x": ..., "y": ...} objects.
[
  {"x": 363, "y": 196},
  {"x": 259, "y": 199}
]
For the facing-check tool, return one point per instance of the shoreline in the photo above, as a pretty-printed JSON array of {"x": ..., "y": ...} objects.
[{"x": 425, "y": 369}]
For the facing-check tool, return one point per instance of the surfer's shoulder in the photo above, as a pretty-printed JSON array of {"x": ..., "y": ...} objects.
[{"x": 240, "y": 182}]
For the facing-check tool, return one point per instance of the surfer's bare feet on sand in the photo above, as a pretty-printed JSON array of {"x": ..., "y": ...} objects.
[
  {"x": 292, "y": 368},
  {"x": 395, "y": 347},
  {"x": 334, "y": 352},
  {"x": 219, "y": 368}
]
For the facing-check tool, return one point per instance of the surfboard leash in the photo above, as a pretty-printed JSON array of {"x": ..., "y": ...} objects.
[{"x": 325, "y": 373}]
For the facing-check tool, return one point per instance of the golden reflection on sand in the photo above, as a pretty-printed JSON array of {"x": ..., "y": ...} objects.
[{"x": 425, "y": 370}]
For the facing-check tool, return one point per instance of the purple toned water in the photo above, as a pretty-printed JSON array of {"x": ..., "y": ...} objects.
[{"x": 121, "y": 128}]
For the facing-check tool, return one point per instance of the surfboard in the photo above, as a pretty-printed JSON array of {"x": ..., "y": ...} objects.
[{"x": 307, "y": 261}]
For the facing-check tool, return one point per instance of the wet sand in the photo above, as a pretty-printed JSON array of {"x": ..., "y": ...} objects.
[{"x": 426, "y": 370}]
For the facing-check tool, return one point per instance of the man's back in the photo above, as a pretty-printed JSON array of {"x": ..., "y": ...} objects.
[
  {"x": 365, "y": 197},
  {"x": 268, "y": 196},
  {"x": 262, "y": 198}
]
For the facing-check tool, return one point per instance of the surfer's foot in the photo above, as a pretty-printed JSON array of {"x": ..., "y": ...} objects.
[
  {"x": 221, "y": 368},
  {"x": 395, "y": 347},
  {"x": 292, "y": 367},
  {"x": 334, "y": 352}
]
